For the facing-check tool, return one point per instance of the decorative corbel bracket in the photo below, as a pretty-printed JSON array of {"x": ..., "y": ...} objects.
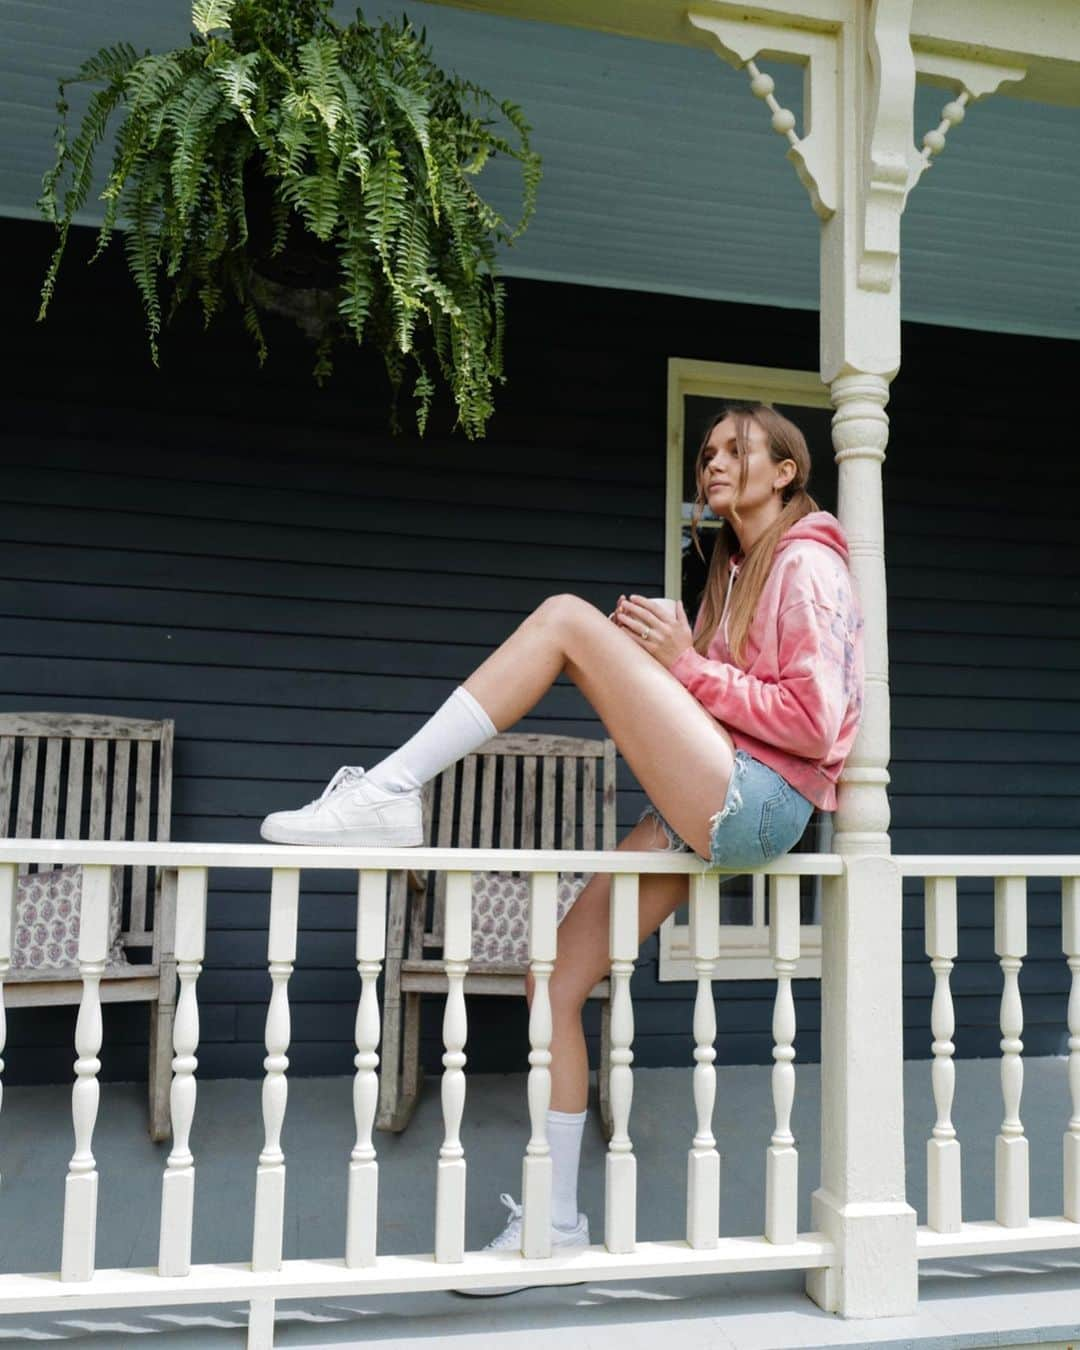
[
  {"x": 970, "y": 80},
  {"x": 814, "y": 155},
  {"x": 891, "y": 163}
]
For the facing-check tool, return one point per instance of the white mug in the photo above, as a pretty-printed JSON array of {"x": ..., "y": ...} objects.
[{"x": 670, "y": 606}]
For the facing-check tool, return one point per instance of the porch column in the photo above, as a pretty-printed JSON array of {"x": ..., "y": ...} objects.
[{"x": 861, "y": 1203}]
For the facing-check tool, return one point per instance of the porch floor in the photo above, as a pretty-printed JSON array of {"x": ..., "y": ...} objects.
[{"x": 1007, "y": 1301}]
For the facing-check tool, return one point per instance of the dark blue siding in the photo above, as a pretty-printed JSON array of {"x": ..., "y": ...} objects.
[{"x": 263, "y": 563}]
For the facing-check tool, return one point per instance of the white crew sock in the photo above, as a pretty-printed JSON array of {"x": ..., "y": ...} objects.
[
  {"x": 458, "y": 727},
  {"x": 564, "y": 1131}
]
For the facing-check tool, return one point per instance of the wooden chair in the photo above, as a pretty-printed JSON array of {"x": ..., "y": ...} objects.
[
  {"x": 487, "y": 800},
  {"x": 89, "y": 777}
]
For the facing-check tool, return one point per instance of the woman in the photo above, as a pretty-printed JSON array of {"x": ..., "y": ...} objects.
[{"x": 736, "y": 731}]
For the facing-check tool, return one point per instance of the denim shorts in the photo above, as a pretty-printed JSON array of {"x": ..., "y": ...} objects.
[{"x": 762, "y": 817}]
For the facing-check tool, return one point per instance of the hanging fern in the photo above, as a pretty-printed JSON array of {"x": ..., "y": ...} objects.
[{"x": 367, "y": 149}]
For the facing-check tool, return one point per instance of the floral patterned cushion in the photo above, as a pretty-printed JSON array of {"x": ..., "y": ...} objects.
[
  {"x": 501, "y": 916},
  {"x": 47, "y": 909}
]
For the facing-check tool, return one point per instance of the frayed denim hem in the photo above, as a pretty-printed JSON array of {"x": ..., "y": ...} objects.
[
  {"x": 732, "y": 806},
  {"x": 675, "y": 843},
  {"x": 734, "y": 802}
]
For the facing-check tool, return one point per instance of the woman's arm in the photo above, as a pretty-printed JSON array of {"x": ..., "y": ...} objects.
[{"x": 804, "y": 709}]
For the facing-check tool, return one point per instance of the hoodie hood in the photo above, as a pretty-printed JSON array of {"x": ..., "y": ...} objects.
[{"x": 819, "y": 527}]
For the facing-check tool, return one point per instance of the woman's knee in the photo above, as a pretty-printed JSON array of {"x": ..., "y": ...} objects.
[
  {"x": 565, "y": 611},
  {"x": 566, "y": 995}
]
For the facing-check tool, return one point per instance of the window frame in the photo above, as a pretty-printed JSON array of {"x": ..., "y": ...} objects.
[{"x": 744, "y": 948}]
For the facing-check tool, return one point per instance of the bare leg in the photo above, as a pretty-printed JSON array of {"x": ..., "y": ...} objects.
[
  {"x": 680, "y": 755},
  {"x": 582, "y": 962}
]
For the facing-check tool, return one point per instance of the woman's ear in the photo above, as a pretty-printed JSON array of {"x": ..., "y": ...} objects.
[{"x": 785, "y": 476}]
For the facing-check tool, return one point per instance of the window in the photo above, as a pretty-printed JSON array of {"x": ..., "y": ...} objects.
[{"x": 694, "y": 390}]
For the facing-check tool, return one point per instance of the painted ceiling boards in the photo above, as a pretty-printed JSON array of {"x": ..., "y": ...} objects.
[{"x": 661, "y": 172}]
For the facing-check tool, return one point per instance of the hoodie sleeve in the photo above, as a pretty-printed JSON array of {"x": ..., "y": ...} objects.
[{"x": 803, "y": 710}]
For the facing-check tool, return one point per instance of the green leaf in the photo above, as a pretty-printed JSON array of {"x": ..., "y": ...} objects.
[
  {"x": 318, "y": 61},
  {"x": 207, "y": 15},
  {"x": 237, "y": 78},
  {"x": 384, "y": 200}
]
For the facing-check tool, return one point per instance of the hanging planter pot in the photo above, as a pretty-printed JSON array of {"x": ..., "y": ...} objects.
[{"x": 291, "y": 165}]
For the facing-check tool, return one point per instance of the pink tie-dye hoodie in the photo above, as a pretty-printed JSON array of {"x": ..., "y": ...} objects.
[{"x": 794, "y": 703}]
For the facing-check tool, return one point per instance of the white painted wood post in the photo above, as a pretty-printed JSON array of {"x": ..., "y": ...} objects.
[
  {"x": 782, "y": 1159},
  {"x": 536, "y": 1166},
  {"x": 1011, "y": 1199},
  {"x": 260, "y": 1328},
  {"x": 1070, "y": 941},
  {"x": 861, "y": 1203},
  {"x": 178, "y": 1183},
  {"x": 943, "y": 1170},
  {"x": 450, "y": 1185},
  {"x": 620, "y": 1177},
  {"x": 81, "y": 1186},
  {"x": 361, "y": 1223},
  {"x": 269, "y": 1223},
  {"x": 8, "y": 883},
  {"x": 703, "y": 1160}
]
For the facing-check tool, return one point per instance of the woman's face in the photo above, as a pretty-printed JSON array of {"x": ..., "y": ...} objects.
[{"x": 722, "y": 470}]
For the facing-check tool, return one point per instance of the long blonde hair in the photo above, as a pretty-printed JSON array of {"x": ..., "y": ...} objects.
[{"x": 785, "y": 441}]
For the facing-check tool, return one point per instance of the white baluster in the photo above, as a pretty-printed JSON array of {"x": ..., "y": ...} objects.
[
  {"x": 363, "y": 1203},
  {"x": 620, "y": 1177},
  {"x": 450, "y": 1187},
  {"x": 81, "y": 1186},
  {"x": 536, "y": 1167},
  {"x": 943, "y": 1208},
  {"x": 1011, "y": 1206},
  {"x": 1070, "y": 941},
  {"x": 782, "y": 1159},
  {"x": 178, "y": 1183},
  {"x": 703, "y": 1162},
  {"x": 8, "y": 883},
  {"x": 270, "y": 1177}
]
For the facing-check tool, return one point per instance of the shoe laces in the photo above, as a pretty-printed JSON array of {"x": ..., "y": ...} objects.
[
  {"x": 511, "y": 1234},
  {"x": 345, "y": 777}
]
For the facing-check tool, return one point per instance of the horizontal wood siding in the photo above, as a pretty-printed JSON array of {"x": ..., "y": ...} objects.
[{"x": 265, "y": 564}]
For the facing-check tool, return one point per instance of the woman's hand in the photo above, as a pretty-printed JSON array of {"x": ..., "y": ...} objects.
[{"x": 650, "y": 624}]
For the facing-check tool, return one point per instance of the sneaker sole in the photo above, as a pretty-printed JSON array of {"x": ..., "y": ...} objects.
[{"x": 407, "y": 836}]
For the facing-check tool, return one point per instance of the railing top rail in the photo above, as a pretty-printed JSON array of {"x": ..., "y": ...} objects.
[
  {"x": 989, "y": 865},
  {"x": 127, "y": 854}
]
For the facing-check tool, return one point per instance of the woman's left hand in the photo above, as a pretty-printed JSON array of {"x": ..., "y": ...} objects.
[{"x": 650, "y": 625}]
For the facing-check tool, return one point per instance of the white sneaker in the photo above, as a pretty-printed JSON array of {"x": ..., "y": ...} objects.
[
  {"x": 562, "y": 1239},
  {"x": 351, "y": 812}
]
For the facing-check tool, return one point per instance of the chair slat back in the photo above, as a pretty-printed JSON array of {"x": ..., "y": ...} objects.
[
  {"x": 520, "y": 790},
  {"x": 46, "y": 773}
]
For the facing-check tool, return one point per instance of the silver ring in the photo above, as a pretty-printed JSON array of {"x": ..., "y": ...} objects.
[{"x": 645, "y": 634}]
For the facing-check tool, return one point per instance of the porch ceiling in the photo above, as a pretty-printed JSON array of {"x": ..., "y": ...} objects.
[
  {"x": 1042, "y": 35},
  {"x": 661, "y": 172}
]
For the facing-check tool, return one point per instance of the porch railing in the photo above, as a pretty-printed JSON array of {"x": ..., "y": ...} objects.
[
  {"x": 1013, "y": 1228},
  {"x": 700, "y": 1250}
]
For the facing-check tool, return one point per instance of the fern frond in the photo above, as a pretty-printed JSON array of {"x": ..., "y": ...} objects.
[
  {"x": 142, "y": 242},
  {"x": 315, "y": 196},
  {"x": 294, "y": 138},
  {"x": 319, "y": 63},
  {"x": 237, "y": 79},
  {"x": 110, "y": 63},
  {"x": 208, "y": 15},
  {"x": 423, "y": 392},
  {"x": 384, "y": 201},
  {"x": 189, "y": 116},
  {"x": 149, "y": 82}
]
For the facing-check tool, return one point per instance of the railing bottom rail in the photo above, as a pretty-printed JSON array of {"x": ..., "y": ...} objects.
[
  {"x": 985, "y": 1237},
  {"x": 226, "y": 1282}
]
